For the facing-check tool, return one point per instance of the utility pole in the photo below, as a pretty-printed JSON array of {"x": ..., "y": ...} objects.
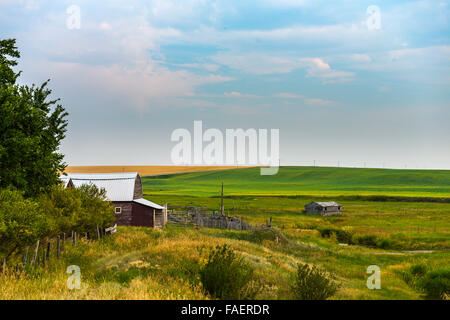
[{"x": 221, "y": 202}]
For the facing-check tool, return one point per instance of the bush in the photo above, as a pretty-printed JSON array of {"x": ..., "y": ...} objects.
[
  {"x": 227, "y": 276},
  {"x": 312, "y": 284},
  {"x": 418, "y": 270},
  {"x": 342, "y": 236},
  {"x": 22, "y": 222},
  {"x": 62, "y": 206},
  {"x": 368, "y": 240},
  {"x": 436, "y": 284},
  {"x": 79, "y": 209}
]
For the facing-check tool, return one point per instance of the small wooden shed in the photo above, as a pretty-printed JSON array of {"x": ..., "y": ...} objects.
[
  {"x": 124, "y": 190},
  {"x": 324, "y": 208}
]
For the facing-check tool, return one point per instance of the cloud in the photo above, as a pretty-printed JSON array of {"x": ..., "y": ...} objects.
[
  {"x": 319, "y": 102},
  {"x": 318, "y": 68},
  {"x": 260, "y": 64},
  {"x": 212, "y": 67},
  {"x": 360, "y": 57},
  {"x": 287, "y": 95},
  {"x": 309, "y": 101},
  {"x": 235, "y": 94},
  {"x": 105, "y": 26},
  {"x": 255, "y": 63}
]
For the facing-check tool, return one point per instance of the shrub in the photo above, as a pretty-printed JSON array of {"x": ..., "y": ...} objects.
[
  {"x": 418, "y": 270},
  {"x": 342, "y": 236},
  {"x": 79, "y": 209},
  {"x": 436, "y": 284},
  {"x": 368, "y": 240},
  {"x": 22, "y": 222},
  {"x": 227, "y": 276},
  {"x": 62, "y": 206},
  {"x": 312, "y": 284}
]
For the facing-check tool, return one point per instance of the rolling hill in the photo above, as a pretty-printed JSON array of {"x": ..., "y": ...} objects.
[{"x": 318, "y": 181}]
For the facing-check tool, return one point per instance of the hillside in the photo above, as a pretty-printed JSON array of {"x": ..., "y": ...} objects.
[
  {"x": 143, "y": 263},
  {"x": 318, "y": 181}
]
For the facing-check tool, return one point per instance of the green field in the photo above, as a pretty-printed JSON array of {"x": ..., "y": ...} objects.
[
  {"x": 389, "y": 218},
  {"x": 316, "y": 181}
]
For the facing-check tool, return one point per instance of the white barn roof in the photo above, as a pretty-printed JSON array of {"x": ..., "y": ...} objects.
[
  {"x": 148, "y": 203},
  {"x": 118, "y": 186},
  {"x": 326, "y": 204}
]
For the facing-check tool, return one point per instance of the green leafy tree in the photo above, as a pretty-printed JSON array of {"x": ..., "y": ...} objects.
[
  {"x": 22, "y": 222},
  {"x": 95, "y": 210},
  {"x": 31, "y": 129},
  {"x": 62, "y": 206}
]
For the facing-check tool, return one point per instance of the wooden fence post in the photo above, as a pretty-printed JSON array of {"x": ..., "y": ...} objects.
[
  {"x": 36, "y": 249},
  {"x": 58, "y": 247},
  {"x": 74, "y": 237},
  {"x": 4, "y": 266},
  {"x": 48, "y": 249},
  {"x": 63, "y": 240},
  {"x": 98, "y": 232},
  {"x": 25, "y": 257}
]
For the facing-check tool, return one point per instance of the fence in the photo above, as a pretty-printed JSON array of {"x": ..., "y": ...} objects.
[
  {"x": 42, "y": 251},
  {"x": 202, "y": 217}
]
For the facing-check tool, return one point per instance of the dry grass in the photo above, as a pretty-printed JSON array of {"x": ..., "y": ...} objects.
[{"x": 145, "y": 170}]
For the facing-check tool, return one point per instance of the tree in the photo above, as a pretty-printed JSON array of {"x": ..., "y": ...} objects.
[
  {"x": 31, "y": 129},
  {"x": 96, "y": 211}
]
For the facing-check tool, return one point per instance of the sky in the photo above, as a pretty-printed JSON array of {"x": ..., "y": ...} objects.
[{"x": 348, "y": 83}]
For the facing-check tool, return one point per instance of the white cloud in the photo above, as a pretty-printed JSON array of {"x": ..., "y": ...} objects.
[
  {"x": 309, "y": 101},
  {"x": 105, "y": 26},
  {"x": 319, "y": 102},
  {"x": 287, "y": 95},
  {"x": 316, "y": 67},
  {"x": 360, "y": 57},
  {"x": 235, "y": 94},
  {"x": 260, "y": 64}
]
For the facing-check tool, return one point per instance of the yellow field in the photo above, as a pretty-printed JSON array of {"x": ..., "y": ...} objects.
[{"x": 145, "y": 170}]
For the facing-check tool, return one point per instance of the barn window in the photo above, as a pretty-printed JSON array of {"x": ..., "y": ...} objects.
[{"x": 118, "y": 210}]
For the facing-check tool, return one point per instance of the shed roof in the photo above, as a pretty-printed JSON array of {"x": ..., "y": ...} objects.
[
  {"x": 327, "y": 204},
  {"x": 118, "y": 186},
  {"x": 148, "y": 203}
]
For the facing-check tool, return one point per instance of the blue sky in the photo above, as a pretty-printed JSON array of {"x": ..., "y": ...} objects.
[{"x": 338, "y": 90}]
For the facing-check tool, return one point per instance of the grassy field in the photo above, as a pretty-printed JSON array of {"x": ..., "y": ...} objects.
[
  {"x": 391, "y": 232},
  {"x": 315, "y": 181},
  {"x": 143, "y": 263},
  {"x": 144, "y": 170}
]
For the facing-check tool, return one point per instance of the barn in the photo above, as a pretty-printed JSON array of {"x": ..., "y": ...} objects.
[
  {"x": 324, "y": 208},
  {"x": 124, "y": 190}
]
